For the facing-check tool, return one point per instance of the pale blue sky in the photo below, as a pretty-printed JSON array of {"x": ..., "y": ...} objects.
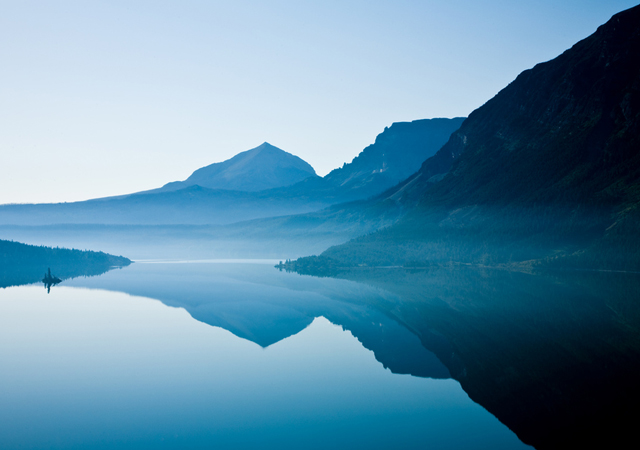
[{"x": 102, "y": 98}]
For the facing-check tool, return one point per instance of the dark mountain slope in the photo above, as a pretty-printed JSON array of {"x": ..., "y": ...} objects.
[
  {"x": 264, "y": 167},
  {"x": 567, "y": 130},
  {"x": 549, "y": 166}
]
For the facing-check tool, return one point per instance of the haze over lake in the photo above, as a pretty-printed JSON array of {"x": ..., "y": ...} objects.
[{"x": 299, "y": 225}]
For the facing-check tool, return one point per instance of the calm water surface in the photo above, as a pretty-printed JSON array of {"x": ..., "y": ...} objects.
[{"x": 223, "y": 355}]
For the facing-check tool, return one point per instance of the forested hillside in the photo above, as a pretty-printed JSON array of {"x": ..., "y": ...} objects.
[{"x": 22, "y": 264}]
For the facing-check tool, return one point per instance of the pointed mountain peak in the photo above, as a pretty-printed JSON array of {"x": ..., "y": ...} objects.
[
  {"x": 263, "y": 167},
  {"x": 265, "y": 146}
]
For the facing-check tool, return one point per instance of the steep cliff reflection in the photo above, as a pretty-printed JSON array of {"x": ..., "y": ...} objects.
[
  {"x": 554, "y": 356},
  {"x": 96, "y": 368},
  {"x": 258, "y": 304}
]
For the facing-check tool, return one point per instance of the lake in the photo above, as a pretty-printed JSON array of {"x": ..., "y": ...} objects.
[
  {"x": 236, "y": 354},
  {"x": 224, "y": 354}
]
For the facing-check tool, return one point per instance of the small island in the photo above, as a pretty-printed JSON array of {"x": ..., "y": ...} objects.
[{"x": 50, "y": 280}]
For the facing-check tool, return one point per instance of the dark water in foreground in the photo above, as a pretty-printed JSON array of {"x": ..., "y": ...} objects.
[{"x": 239, "y": 355}]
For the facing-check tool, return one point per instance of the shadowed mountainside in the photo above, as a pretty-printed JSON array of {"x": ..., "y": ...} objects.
[
  {"x": 565, "y": 132},
  {"x": 548, "y": 169}
]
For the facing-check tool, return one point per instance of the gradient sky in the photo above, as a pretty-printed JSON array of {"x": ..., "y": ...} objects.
[{"x": 102, "y": 98}]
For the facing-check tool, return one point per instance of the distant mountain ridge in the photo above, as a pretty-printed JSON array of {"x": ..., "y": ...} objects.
[
  {"x": 263, "y": 167},
  {"x": 396, "y": 152}
]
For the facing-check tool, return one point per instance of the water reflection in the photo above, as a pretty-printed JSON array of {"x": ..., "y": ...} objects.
[
  {"x": 258, "y": 304},
  {"x": 555, "y": 356},
  {"x": 97, "y": 369},
  {"x": 20, "y": 273},
  {"x": 50, "y": 280}
]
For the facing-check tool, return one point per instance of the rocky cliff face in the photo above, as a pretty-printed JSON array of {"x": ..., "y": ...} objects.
[{"x": 396, "y": 153}]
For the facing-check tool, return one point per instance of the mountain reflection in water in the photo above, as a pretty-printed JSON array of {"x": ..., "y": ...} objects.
[
  {"x": 88, "y": 368},
  {"x": 554, "y": 356},
  {"x": 258, "y": 304}
]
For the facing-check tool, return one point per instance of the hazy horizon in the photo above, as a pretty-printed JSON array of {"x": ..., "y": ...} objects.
[{"x": 110, "y": 98}]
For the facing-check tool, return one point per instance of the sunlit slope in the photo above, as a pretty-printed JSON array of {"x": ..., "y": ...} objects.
[{"x": 263, "y": 167}]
